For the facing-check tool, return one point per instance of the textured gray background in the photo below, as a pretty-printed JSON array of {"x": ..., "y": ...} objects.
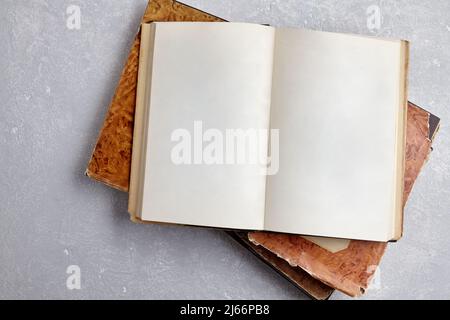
[{"x": 55, "y": 85}]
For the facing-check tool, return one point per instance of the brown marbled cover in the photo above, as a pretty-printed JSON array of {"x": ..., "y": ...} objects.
[
  {"x": 111, "y": 159},
  {"x": 351, "y": 270}
]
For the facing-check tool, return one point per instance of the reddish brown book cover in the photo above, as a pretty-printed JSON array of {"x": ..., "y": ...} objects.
[{"x": 111, "y": 160}]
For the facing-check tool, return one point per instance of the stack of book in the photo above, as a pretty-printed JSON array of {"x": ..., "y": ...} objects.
[{"x": 348, "y": 151}]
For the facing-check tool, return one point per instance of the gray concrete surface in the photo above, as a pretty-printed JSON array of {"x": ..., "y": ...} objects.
[{"x": 55, "y": 85}]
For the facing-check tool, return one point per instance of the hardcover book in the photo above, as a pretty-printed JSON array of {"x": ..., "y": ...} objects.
[
  {"x": 111, "y": 160},
  {"x": 250, "y": 140}
]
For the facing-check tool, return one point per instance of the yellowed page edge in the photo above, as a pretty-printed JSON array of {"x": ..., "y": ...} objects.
[
  {"x": 401, "y": 138},
  {"x": 139, "y": 119}
]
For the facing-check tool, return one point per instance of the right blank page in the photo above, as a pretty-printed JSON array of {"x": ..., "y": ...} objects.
[{"x": 338, "y": 101}]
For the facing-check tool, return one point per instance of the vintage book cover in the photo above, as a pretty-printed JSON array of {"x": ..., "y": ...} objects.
[{"x": 111, "y": 159}]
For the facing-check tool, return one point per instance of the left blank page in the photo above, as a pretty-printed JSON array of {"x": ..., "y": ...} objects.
[{"x": 218, "y": 76}]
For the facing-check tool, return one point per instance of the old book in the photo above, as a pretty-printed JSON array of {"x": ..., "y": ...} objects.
[
  {"x": 111, "y": 160},
  {"x": 207, "y": 154},
  {"x": 350, "y": 270}
]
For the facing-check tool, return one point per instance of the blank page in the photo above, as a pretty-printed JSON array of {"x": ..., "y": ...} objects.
[
  {"x": 219, "y": 74},
  {"x": 337, "y": 101}
]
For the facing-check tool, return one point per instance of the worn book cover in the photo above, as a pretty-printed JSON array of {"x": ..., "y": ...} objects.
[{"x": 111, "y": 160}]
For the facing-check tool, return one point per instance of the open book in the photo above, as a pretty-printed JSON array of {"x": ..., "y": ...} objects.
[{"x": 325, "y": 112}]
